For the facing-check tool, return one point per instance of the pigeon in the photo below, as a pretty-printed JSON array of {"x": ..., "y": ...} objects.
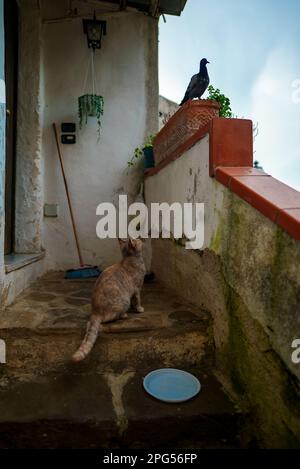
[{"x": 198, "y": 84}]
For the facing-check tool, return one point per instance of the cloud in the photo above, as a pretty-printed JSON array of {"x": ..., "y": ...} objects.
[{"x": 278, "y": 115}]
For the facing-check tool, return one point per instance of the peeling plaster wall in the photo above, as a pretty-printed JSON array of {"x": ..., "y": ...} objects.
[
  {"x": 248, "y": 277},
  {"x": 29, "y": 181},
  {"x": 126, "y": 68}
]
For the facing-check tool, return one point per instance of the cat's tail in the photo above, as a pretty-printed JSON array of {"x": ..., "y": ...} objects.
[{"x": 89, "y": 339}]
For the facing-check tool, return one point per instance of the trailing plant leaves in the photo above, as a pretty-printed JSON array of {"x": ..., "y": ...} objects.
[
  {"x": 90, "y": 105},
  {"x": 138, "y": 152}
]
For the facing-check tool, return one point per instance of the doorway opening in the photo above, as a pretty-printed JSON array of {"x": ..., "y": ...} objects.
[{"x": 11, "y": 20}]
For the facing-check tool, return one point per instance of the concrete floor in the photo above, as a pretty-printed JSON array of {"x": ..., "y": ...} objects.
[{"x": 47, "y": 401}]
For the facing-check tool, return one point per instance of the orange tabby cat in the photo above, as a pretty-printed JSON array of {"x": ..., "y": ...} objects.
[{"x": 115, "y": 290}]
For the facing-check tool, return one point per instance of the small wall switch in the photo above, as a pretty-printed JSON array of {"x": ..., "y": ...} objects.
[
  {"x": 68, "y": 128},
  {"x": 68, "y": 139},
  {"x": 51, "y": 210}
]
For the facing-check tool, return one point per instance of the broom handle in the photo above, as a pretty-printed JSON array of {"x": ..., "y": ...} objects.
[{"x": 68, "y": 195}]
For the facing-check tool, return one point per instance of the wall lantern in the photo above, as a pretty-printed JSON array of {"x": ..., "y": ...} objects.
[{"x": 94, "y": 29}]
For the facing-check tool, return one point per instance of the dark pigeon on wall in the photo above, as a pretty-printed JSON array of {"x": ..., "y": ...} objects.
[{"x": 198, "y": 84}]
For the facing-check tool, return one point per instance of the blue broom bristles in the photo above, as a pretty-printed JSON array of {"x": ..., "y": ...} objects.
[{"x": 83, "y": 272}]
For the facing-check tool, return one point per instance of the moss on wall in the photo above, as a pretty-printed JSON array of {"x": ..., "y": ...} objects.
[
  {"x": 260, "y": 379},
  {"x": 262, "y": 291},
  {"x": 248, "y": 277},
  {"x": 267, "y": 391},
  {"x": 216, "y": 241}
]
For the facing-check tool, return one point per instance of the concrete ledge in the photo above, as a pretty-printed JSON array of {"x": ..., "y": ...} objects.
[
  {"x": 18, "y": 261},
  {"x": 231, "y": 144},
  {"x": 180, "y": 150},
  {"x": 277, "y": 201},
  {"x": 231, "y": 163}
]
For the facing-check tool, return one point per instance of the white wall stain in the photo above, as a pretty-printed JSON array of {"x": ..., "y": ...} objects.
[
  {"x": 117, "y": 384},
  {"x": 2, "y": 352}
]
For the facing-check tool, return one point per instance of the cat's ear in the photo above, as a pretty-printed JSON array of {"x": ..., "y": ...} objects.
[
  {"x": 122, "y": 242},
  {"x": 132, "y": 243},
  {"x": 135, "y": 244}
]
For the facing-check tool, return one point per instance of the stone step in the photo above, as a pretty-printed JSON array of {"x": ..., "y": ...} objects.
[
  {"x": 112, "y": 410},
  {"x": 47, "y": 323},
  {"x": 46, "y": 401}
]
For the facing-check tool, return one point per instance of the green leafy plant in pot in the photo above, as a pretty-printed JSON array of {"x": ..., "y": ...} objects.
[
  {"x": 90, "y": 105},
  {"x": 224, "y": 102},
  {"x": 146, "y": 152}
]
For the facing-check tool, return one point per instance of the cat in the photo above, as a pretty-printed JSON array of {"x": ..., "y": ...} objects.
[{"x": 116, "y": 290}]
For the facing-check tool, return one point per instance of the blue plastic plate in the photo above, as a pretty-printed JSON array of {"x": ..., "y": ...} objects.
[{"x": 170, "y": 385}]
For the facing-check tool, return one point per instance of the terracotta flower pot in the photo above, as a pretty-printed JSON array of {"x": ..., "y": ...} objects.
[{"x": 182, "y": 125}]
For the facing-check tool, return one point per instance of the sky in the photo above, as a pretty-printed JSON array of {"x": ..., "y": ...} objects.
[{"x": 254, "y": 51}]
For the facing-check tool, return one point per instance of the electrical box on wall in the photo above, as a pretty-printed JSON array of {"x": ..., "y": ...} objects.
[
  {"x": 68, "y": 139},
  {"x": 68, "y": 128},
  {"x": 51, "y": 210}
]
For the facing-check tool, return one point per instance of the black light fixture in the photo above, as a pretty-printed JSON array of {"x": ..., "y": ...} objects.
[{"x": 94, "y": 29}]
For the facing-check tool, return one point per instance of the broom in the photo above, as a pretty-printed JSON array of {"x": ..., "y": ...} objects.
[{"x": 83, "y": 271}]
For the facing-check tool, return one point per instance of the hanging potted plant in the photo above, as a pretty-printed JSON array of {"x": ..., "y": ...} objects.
[
  {"x": 91, "y": 104},
  {"x": 145, "y": 151}
]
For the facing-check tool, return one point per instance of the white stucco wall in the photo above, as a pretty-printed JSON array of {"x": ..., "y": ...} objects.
[
  {"x": 52, "y": 67},
  {"x": 96, "y": 171},
  {"x": 187, "y": 180}
]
